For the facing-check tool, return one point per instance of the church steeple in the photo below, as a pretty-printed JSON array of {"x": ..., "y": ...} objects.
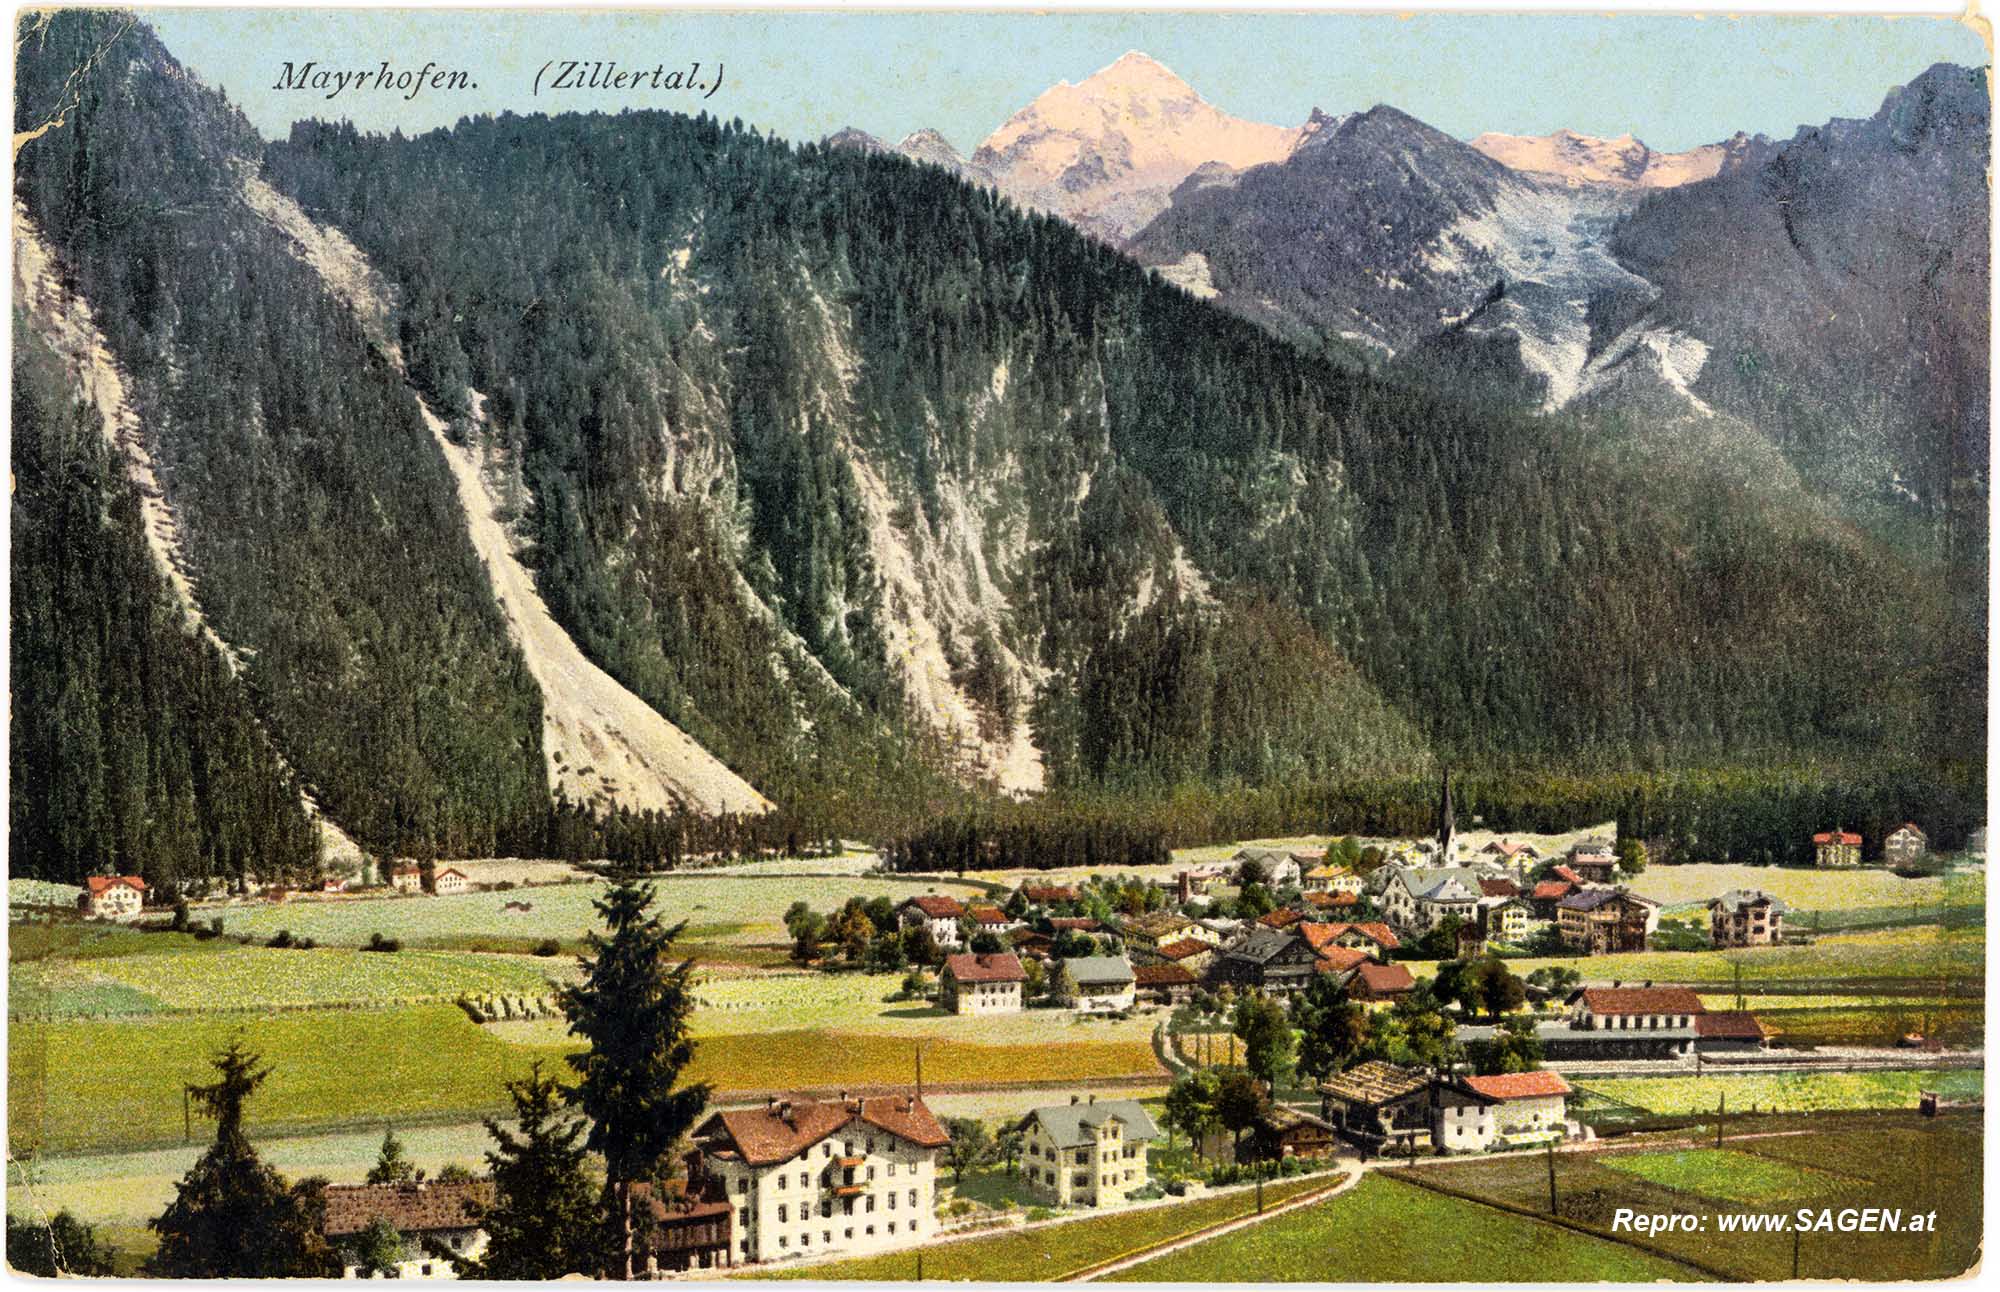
[{"x": 1447, "y": 822}]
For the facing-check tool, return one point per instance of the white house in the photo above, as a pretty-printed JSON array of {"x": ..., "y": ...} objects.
[
  {"x": 446, "y": 882},
  {"x": 1086, "y": 1153},
  {"x": 1527, "y": 1107},
  {"x": 837, "y": 1175},
  {"x": 983, "y": 984},
  {"x": 112, "y": 897},
  {"x": 430, "y": 1211},
  {"x": 939, "y": 914},
  {"x": 1103, "y": 983},
  {"x": 407, "y": 879},
  {"x": 1905, "y": 843}
]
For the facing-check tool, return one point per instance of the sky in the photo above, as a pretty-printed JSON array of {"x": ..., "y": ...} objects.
[{"x": 1674, "y": 82}]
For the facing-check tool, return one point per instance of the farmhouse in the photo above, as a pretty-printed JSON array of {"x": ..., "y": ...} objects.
[
  {"x": 836, "y": 1175},
  {"x": 1189, "y": 954},
  {"x": 1027, "y": 942},
  {"x": 1281, "y": 1132},
  {"x": 1280, "y": 867},
  {"x": 692, "y": 1222},
  {"x": 1330, "y": 903},
  {"x": 1087, "y": 1153},
  {"x": 1143, "y": 933},
  {"x": 1382, "y": 1108},
  {"x": 982, "y": 984},
  {"x": 1836, "y": 848},
  {"x": 1527, "y": 1107},
  {"x": 407, "y": 879},
  {"x": 988, "y": 919},
  {"x": 1102, "y": 982},
  {"x": 1165, "y": 984},
  {"x": 1905, "y": 844},
  {"x": 1746, "y": 917},
  {"x": 423, "y": 1213},
  {"x": 1546, "y": 896},
  {"x": 1274, "y": 961},
  {"x": 938, "y": 914},
  {"x": 111, "y": 897},
  {"x": 1282, "y": 918},
  {"x": 1373, "y": 984},
  {"x": 447, "y": 882},
  {"x": 1603, "y": 921}
]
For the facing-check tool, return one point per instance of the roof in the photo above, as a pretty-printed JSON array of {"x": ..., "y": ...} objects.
[
  {"x": 1048, "y": 892},
  {"x": 1328, "y": 872},
  {"x": 1181, "y": 948},
  {"x": 1738, "y": 898},
  {"x": 1339, "y": 959},
  {"x": 1912, "y": 827},
  {"x": 998, "y": 966},
  {"x": 1564, "y": 872},
  {"x": 1506, "y": 849},
  {"x": 783, "y": 1129},
  {"x": 1281, "y": 1118},
  {"x": 104, "y": 883},
  {"x": 1837, "y": 836},
  {"x": 1550, "y": 889},
  {"x": 1374, "y": 1082},
  {"x": 1282, "y": 918},
  {"x": 1072, "y": 1125},
  {"x": 1384, "y": 979},
  {"x": 987, "y": 914},
  {"x": 1519, "y": 1085},
  {"x": 1261, "y": 944},
  {"x": 452, "y": 870},
  {"x": 411, "y": 1208},
  {"x": 1729, "y": 1025},
  {"x": 1590, "y": 899},
  {"x": 1332, "y": 899},
  {"x": 1499, "y": 888},
  {"x": 1099, "y": 969},
  {"x": 1075, "y": 924},
  {"x": 938, "y": 908},
  {"x": 1155, "y": 923},
  {"x": 1640, "y": 1000},
  {"x": 1163, "y": 976},
  {"x": 407, "y": 870}
]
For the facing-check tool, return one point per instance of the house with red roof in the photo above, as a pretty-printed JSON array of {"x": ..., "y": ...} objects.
[
  {"x": 1526, "y": 1108},
  {"x": 449, "y": 881},
  {"x": 1836, "y": 848},
  {"x": 1189, "y": 953},
  {"x": 939, "y": 914},
  {"x": 988, "y": 918},
  {"x": 808, "y": 1177},
  {"x": 1374, "y": 984},
  {"x": 407, "y": 879},
  {"x": 1165, "y": 984},
  {"x": 111, "y": 897},
  {"x": 424, "y": 1213},
  {"x": 982, "y": 984}
]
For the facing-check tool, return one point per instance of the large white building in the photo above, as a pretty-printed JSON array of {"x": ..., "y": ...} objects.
[
  {"x": 837, "y": 1175},
  {"x": 938, "y": 914},
  {"x": 982, "y": 983},
  {"x": 1087, "y": 1153},
  {"x": 112, "y": 897}
]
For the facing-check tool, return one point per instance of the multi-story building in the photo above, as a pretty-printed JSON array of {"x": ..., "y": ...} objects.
[
  {"x": 1905, "y": 843},
  {"x": 939, "y": 914},
  {"x": 982, "y": 984},
  {"x": 112, "y": 897},
  {"x": 836, "y": 1175},
  {"x": 1603, "y": 921},
  {"x": 1144, "y": 933},
  {"x": 447, "y": 882},
  {"x": 1836, "y": 848},
  {"x": 1086, "y": 1153},
  {"x": 1103, "y": 983},
  {"x": 1746, "y": 917}
]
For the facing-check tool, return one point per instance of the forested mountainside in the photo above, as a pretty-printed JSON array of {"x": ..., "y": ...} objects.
[{"x": 875, "y": 486}]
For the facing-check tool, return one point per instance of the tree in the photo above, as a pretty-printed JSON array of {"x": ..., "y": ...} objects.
[
  {"x": 971, "y": 1144},
  {"x": 544, "y": 1221},
  {"x": 853, "y": 931},
  {"x": 232, "y": 1216},
  {"x": 1252, "y": 874},
  {"x": 1441, "y": 943},
  {"x": 1071, "y": 944},
  {"x": 986, "y": 944},
  {"x": 1190, "y": 1105},
  {"x": 807, "y": 932},
  {"x": 1558, "y": 980},
  {"x": 455, "y": 1173},
  {"x": 633, "y": 1011},
  {"x": 1270, "y": 1049},
  {"x": 63, "y": 1245},
  {"x": 379, "y": 1249},
  {"x": 1495, "y": 988},
  {"x": 1333, "y": 1028},
  {"x": 919, "y": 946},
  {"x": 1239, "y": 1100},
  {"x": 1007, "y": 1144},
  {"x": 1631, "y": 852},
  {"x": 1254, "y": 900},
  {"x": 1037, "y": 978},
  {"x": 1062, "y": 985},
  {"x": 391, "y": 1167},
  {"x": 885, "y": 955},
  {"x": 1514, "y": 1048},
  {"x": 1453, "y": 985}
]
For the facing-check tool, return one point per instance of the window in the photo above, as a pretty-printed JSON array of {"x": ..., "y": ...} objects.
[
  {"x": 892, "y": 1202},
  {"x": 781, "y": 1213},
  {"x": 782, "y": 1178},
  {"x": 892, "y": 1168},
  {"x": 871, "y": 1231},
  {"x": 826, "y": 1150},
  {"x": 892, "y": 1226},
  {"x": 742, "y": 1184},
  {"x": 871, "y": 1203},
  {"x": 848, "y": 1232},
  {"x": 913, "y": 1197},
  {"x": 784, "y": 1241},
  {"x": 806, "y": 1239},
  {"x": 743, "y": 1217}
]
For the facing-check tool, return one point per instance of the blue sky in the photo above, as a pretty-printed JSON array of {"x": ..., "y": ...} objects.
[{"x": 1674, "y": 82}]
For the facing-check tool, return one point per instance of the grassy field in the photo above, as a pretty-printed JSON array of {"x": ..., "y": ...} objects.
[
  {"x": 1784, "y": 1091},
  {"x": 1834, "y": 1161},
  {"x": 1052, "y": 1252},
  {"x": 1813, "y": 890},
  {"x": 721, "y": 909},
  {"x": 1383, "y": 1230},
  {"x": 1923, "y": 956}
]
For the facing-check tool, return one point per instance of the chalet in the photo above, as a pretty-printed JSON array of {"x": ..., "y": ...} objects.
[
  {"x": 1545, "y": 897},
  {"x": 1906, "y": 843},
  {"x": 1086, "y": 1153},
  {"x": 1603, "y": 921},
  {"x": 1593, "y": 867},
  {"x": 1274, "y": 961},
  {"x": 1047, "y": 894},
  {"x": 447, "y": 882},
  {"x": 1836, "y": 848},
  {"x": 425, "y": 1213},
  {"x": 1373, "y": 984},
  {"x": 1527, "y": 1108},
  {"x": 847, "y": 1175},
  {"x": 1102, "y": 982},
  {"x": 1512, "y": 855},
  {"x": 1281, "y": 1132},
  {"x": 938, "y": 914},
  {"x": 1189, "y": 954},
  {"x": 982, "y": 983},
  {"x": 1033, "y": 945},
  {"x": 1746, "y": 917},
  {"x": 407, "y": 879},
  {"x": 1164, "y": 984},
  {"x": 1370, "y": 935},
  {"x": 111, "y": 897},
  {"x": 1280, "y": 866},
  {"x": 989, "y": 919},
  {"x": 1385, "y": 1109},
  {"x": 1331, "y": 879},
  {"x": 693, "y": 1222},
  {"x": 1505, "y": 919}
]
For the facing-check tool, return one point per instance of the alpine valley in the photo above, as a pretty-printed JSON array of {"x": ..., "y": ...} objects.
[{"x": 647, "y": 484}]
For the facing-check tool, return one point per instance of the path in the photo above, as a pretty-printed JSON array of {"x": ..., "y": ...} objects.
[{"x": 1354, "y": 1171}]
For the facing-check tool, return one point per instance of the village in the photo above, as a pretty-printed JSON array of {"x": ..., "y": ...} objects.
[{"x": 1320, "y": 1010}]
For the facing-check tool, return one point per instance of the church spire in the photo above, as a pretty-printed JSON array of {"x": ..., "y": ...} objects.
[{"x": 1447, "y": 822}]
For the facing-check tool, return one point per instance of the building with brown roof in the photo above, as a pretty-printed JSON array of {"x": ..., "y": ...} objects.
[
  {"x": 1281, "y": 1132},
  {"x": 1166, "y": 984},
  {"x": 989, "y": 918},
  {"x": 693, "y": 1222},
  {"x": 1746, "y": 917},
  {"x": 1375, "y": 984},
  {"x": 1047, "y": 894},
  {"x": 1836, "y": 848},
  {"x": 938, "y": 914},
  {"x": 1190, "y": 954},
  {"x": 836, "y": 1175},
  {"x": 1385, "y": 1109},
  {"x": 1324, "y": 903},
  {"x": 982, "y": 983},
  {"x": 423, "y": 1213},
  {"x": 112, "y": 897},
  {"x": 1527, "y": 1108},
  {"x": 1621, "y": 1008},
  {"x": 1604, "y": 921},
  {"x": 1727, "y": 1031}
]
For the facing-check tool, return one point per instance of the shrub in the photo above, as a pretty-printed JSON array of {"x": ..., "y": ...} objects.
[
  {"x": 305, "y": 944},
  {"x": 504, "y": 886},
  {"x": 1039, "y": 1213},
  {"x": 282, "y": 938},
  {"x": 376, "y": 942},
  {"x": 548, "y": 947}
]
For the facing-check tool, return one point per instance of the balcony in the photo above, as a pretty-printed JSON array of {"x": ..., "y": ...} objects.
[
  {"x": 849, "y": 1190},
  {"x": 849, "y": 1163}
]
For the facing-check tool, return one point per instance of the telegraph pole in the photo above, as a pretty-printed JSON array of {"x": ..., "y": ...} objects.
[
  {"x": 1795, "y": 1251},
  {"x": 1552, "y": 1177},
  {"x": 1721, "y": 1105}
]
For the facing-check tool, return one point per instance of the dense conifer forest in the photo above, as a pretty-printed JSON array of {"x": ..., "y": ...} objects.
[{"x": 1246, "y": 582}]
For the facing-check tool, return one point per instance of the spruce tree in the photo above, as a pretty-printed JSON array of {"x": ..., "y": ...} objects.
[
  {"x": 233, "y": 1216},
  {"x": 391, "y": 1167},
  {"x": 633, "y": 1009},
  {"x": 543, "y": 1222}
]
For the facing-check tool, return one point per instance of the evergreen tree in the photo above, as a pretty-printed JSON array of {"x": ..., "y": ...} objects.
[
  {"x": 1332, "y": 1028},
  {"x": 544, "y": 1221},
  {"x": 63, "y": 1246},
  {"x": 232, "y": 1216},
  {"x": 632, "y": 1008},
  {"x": 391, "y": 1167}
]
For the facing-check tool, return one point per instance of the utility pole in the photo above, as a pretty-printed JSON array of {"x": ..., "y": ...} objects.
[
  {"x": 1260, "y": 1188},
  {"x": 187, "y": 1118},
  {"x": 920, "y": 1265},
  {"x": 1552, "y": 1177},
  {"x": 1721, "y": 1105},
  {"x": 1795, "y": 1251}
]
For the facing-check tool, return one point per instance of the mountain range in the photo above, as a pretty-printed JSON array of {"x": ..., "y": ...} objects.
[{"x": 586, "y": 481}]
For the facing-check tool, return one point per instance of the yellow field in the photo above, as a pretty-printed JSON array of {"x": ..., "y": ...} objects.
[{"x": 1813, "y": 890}]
